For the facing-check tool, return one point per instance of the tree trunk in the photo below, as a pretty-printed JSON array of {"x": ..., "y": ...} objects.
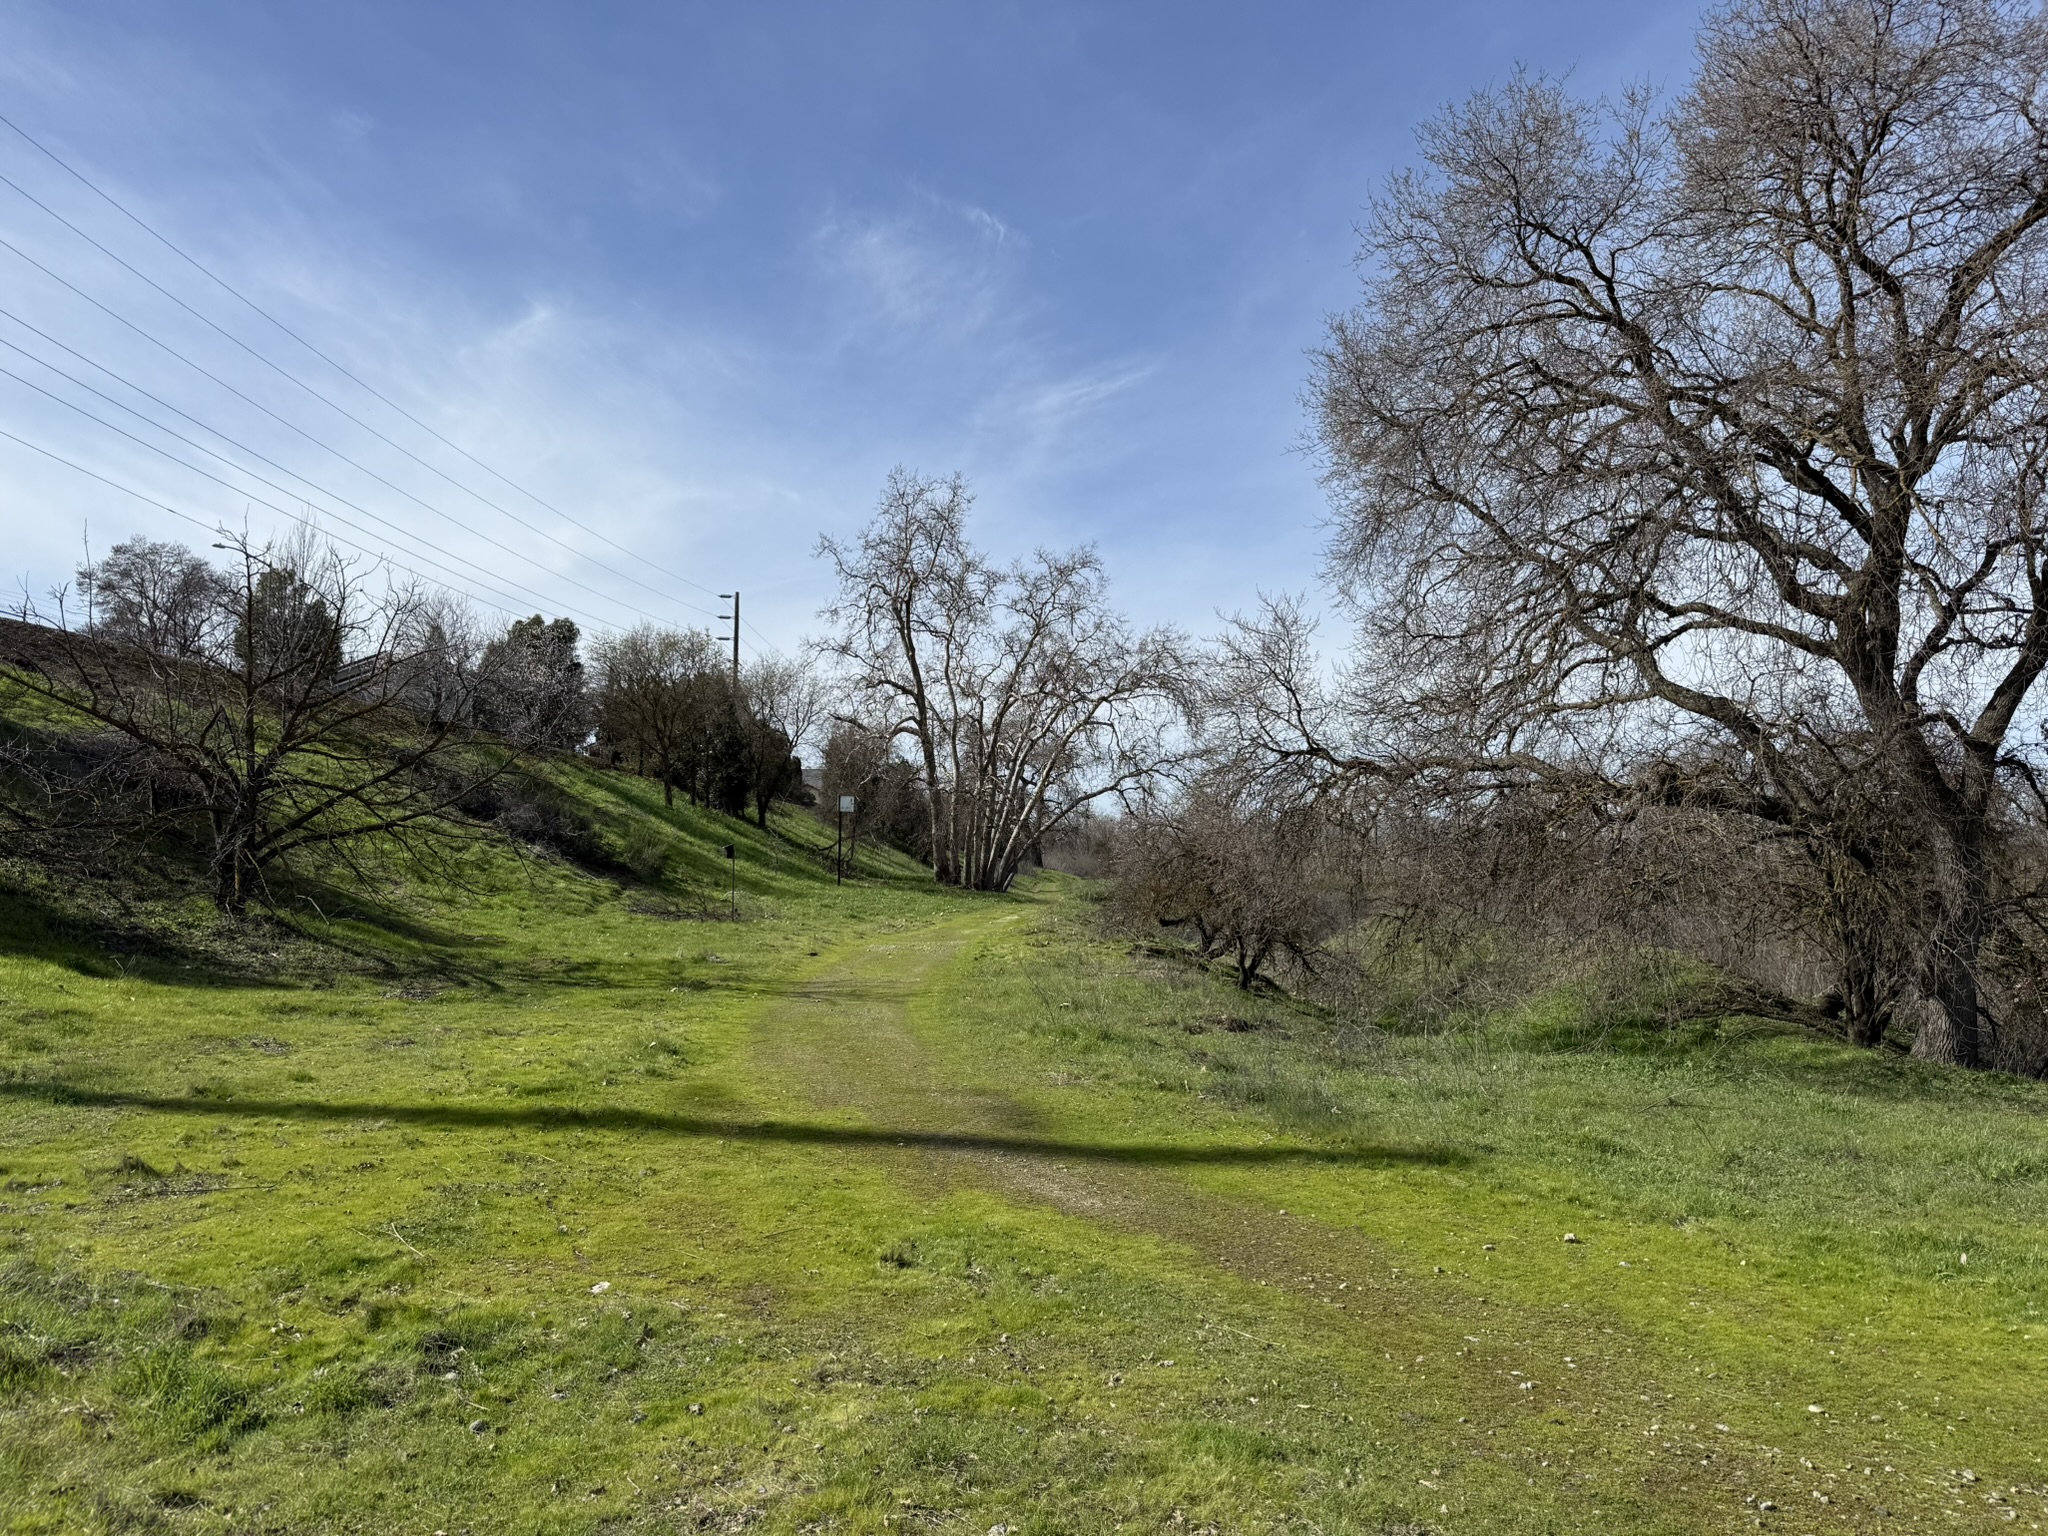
[
  {"x": 1953, "y": 1028},
  {"x": 235, "y": 872},
  {"x": 944, "y": 868},
  {"x": 1866, "y": 985},
  {"x": 1864, "y": 928},
  {"x": 1866, "y": 1007},
  {"x": 1951, "y": 1014}
]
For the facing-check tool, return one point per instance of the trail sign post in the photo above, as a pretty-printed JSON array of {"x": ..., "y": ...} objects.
[{"x": 848, "y": 806}]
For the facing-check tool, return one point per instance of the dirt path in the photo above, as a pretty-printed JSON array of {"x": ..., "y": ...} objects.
[{"x": 844, "y": 1044}]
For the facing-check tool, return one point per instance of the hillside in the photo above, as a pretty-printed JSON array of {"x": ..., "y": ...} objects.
[{"x": 552, "y": 1201}]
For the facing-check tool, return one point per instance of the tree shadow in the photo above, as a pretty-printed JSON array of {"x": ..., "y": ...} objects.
[
  {"x": 386, "y": 941},
  {"x": 117, "y": 938},
  {"x": 786, "y": 1132},
  {"x": 96, "y": 928}
]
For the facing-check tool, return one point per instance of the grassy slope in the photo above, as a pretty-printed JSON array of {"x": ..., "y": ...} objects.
[{"x": 884, "y": 1209}]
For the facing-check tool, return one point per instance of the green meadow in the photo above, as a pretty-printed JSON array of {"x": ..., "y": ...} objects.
[{"x": 540, "y": 1201}]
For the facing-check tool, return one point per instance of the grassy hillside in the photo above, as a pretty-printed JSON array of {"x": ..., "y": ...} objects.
[{"x": 560, "y": 1203}]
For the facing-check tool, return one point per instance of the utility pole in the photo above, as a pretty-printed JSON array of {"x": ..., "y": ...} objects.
[{"x": 734, "y": 616}]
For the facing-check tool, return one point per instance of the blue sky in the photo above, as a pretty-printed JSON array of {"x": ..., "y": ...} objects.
[{"x": 698, "y": 275}]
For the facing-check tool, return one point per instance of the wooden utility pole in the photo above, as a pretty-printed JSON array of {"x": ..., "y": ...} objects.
[{"x": 735, "y": 617}]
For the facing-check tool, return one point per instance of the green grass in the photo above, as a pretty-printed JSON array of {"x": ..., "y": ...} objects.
[{"x": 558, "y": 1204}]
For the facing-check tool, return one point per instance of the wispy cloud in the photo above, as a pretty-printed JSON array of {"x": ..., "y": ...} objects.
[
  {"x": 701, "y": 277},
  {"x": 912, "y": 279}
]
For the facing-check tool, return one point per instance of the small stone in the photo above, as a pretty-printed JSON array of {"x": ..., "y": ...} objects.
[
  {"x": 1815, "y": 1408},
  {"x": 1486, "y": 1247},
  {"x": 1571, "y": 1237},
  {"x": 478, "y": 1427},
  {"x": 999, "y": 1530},
  {"x": 696, "y": 1407},
  {"x": 1765, "y": 1504},
  {"x": 600, "y": 1288},
  {"x": 1967, "y": 1475}
]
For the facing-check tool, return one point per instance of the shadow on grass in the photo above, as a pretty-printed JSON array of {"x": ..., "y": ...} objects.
[
  {"x": 102, "y": 934},
  {"x": 169, "y": 933},
  {"x": 790, "y": 1132}
]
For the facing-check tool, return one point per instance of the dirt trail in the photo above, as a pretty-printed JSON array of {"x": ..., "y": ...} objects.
[{"x": 844, "y": 1043}]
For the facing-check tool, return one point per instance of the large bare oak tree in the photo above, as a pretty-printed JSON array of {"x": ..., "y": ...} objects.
[{"x": 1719, "y": 432}]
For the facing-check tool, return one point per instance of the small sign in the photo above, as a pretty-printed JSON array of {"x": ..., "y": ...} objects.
[
  {"x": 846, "y": 805},
  {"x": 729, "y": 853}
]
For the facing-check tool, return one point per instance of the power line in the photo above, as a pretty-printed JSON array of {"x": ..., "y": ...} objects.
[
  {"x": 479, "y": 570},
  {"x": 253, "y": 453},
  {"x": 759, "y": 637},
  {"x": 287, "y": 512},
  {"x": 208, "y": 272},
  {"x": 317, "y": 395},
  {"x": 285, "y": 422},
  {"x": 215, "y": 528},
  {"x": 48, "y": 272}
]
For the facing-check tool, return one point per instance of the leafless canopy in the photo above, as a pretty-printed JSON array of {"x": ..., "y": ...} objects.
[
  {"x": 667, "y": 703},
  {"x": 1721, "y": 431},
  {"x": 659, "y": 698},
  {"x": 1236, "y": 869},
  {"x": 1022, "y": 695},
  {"x": 284, "y": 704}
]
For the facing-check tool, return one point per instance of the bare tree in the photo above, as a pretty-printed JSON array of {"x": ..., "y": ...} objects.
[
  {"x": 779, "y": 704},
  {"x": 1233, "y": 868},
  {"x": 787, "y": 696},
  {"x": 535, "y": 689},
  {"x": 1834, "y": 883},
  {"x": 1023, "y": 695},
  {"x": 1722, "y": 433},
  {"x": 654, "y": 700},
  {"x": 280, "y": 722},
  {"x": 152, "y": 595},
  {"x": 888, "y": 790}
]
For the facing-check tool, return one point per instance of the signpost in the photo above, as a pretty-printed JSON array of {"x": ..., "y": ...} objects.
[{"x": 848, "y": 806}]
